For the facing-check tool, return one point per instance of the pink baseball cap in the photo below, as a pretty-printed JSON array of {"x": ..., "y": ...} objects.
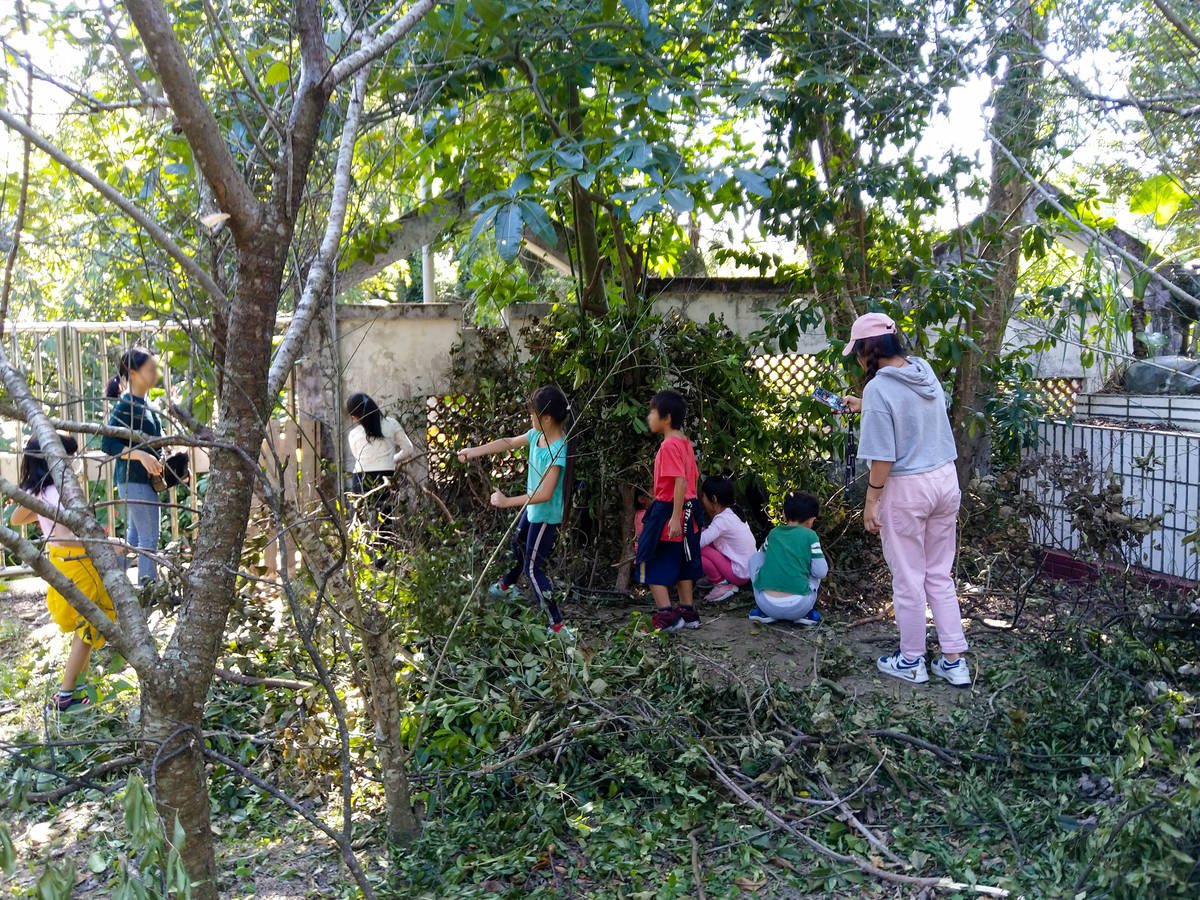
[{"x": 870, "y": 325}]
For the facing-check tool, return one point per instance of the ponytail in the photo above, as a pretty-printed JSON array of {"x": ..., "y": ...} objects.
[
  {"x": 131, "y": 360},
  {"x": 871, "y": 350}
]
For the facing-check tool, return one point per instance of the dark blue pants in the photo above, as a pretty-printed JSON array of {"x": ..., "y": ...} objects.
[{"x": 531, "y": 545}]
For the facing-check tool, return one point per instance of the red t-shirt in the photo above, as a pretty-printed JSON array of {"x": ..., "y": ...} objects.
[{"x": 675, "y": 459}]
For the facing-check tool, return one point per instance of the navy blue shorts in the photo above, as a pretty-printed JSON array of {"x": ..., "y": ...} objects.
[{"x": 668, "y": 566}]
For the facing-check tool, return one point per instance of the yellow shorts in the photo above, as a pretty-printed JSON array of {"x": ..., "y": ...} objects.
[{"x": 74, "y": 563}]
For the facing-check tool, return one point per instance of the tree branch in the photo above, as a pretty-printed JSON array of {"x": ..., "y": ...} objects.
[
  {"x": 1181, "y": 26},
  {"x": 316, "y": 285},
  {"x": 192, "y": 113},
  {"x": 23, "y": 190},
  {"x": 376, "y": 47},
  {"x": 406, "y": 236},
  {"x": 119, "y": 200}
]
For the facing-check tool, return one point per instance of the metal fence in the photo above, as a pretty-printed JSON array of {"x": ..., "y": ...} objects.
[
  {"x": 1159, "y": 474},
  {"x": 69, "y": 364}
]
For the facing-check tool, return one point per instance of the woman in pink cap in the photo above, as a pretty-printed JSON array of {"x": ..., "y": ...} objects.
[{"x": 912, "y": 496}]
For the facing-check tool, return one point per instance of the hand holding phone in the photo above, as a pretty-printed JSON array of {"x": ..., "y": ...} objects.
[{"x": 830, "y": 399}]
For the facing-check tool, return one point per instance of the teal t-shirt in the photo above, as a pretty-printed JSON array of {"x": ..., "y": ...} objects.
[
  {"x": 541, "y": 460},
  {"x": 790, "y": 551}
]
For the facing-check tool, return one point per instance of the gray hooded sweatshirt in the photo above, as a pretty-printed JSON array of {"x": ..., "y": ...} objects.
[{"x": 904, "y": 420}]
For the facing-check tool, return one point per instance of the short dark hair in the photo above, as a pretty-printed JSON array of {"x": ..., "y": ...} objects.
[
  {"x": 670, "y": 404},
  {"x": 800, "y": 507}
]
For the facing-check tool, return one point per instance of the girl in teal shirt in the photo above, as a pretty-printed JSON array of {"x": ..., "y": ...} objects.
[{"x": 546, "y": 498}]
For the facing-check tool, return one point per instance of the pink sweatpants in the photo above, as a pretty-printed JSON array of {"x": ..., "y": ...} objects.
[
  {"x": 918, "y": 515},
  {"x": 717, "y": 566}
]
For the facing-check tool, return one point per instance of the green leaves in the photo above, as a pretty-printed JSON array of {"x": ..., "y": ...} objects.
[
  {"x": 509, "y": 227},
  {"x": 639, "y": 10},
  {"x": 1161, "y": 197}
]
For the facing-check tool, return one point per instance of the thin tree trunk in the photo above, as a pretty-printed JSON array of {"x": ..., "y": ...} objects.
[
  {"x": 1017, "y": 100},
  {"x": 178, "y": 776}
]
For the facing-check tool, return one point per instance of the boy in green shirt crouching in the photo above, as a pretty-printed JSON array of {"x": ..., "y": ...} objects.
[{"x": 787, "y": 571}]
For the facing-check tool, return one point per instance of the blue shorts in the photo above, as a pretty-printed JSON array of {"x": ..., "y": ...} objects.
[{"x": 669, "y": 566}]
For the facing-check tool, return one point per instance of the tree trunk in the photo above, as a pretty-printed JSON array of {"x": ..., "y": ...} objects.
[
  {"x": 369, "y": 621},
  {"x": 1017, "y": 100},
  {"x": 625, "y": 572},
  {"x": 171, "y": 718},
  {"x": 403, "y": 825}
]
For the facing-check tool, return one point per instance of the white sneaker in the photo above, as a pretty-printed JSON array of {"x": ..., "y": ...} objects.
[
  {"x": 899, "y": 667},
  {"x": 955, "y": 672}
]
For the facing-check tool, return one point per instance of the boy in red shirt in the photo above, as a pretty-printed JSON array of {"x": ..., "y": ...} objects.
[{"x": 669, "y": 547}]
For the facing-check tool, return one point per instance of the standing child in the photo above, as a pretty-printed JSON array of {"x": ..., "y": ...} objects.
[
  {"x": 68, "y": 556},
  {"x": 727, "y": 544},
  {"x": 787, "y": 572},
  {"x": 546, "y": 498},
  {"x": 669, "y": 548}
]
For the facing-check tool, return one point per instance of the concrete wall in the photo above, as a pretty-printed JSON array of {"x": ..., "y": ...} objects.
[{"x": 399, "y": 352}]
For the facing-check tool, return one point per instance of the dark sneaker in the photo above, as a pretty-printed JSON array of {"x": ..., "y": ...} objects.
[
  {"x": 668, "y": 620},
  {"x": 66, "y": 700},
  {"x": 689, "y": 616},
  {"x": 757, "y": 615},
  {"x": 812, "y": 618}
]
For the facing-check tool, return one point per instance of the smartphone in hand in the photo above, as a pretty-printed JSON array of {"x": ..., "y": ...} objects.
[{"x": 830, "y": 399}]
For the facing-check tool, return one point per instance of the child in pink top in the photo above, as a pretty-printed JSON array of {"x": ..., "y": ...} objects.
[{"x": 727, "y": 544}]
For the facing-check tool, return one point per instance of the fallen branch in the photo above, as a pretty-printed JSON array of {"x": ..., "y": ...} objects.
[
  {"x": 843, "y": 858},
  {"x": 696, "y": 861},
  {"x": 53, "y": 796},
  {"x": 255, "y": 681},
  {"x": 887, "y": 613}
]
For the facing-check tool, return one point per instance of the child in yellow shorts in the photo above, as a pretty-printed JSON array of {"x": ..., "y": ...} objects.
[{"x": 68, "y": 556}]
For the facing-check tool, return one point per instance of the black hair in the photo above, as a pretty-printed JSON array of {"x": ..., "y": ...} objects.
[
  {"x": 719, "y": 489},
  {"x": 366, "y": 410},
  {"x": 35, "y": 468},
  {"x": 670, "y": 404},
  {"x": 549, "y": 400},
  {"x": 131, "y": 360},
  {"x": 871, "y": 350},
  {"x": 800, "y": 507}
]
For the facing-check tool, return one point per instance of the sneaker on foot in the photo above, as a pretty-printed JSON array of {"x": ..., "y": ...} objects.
[
  {"x": 812, "y": 617},
  {"x": 562, "y": 631},
  {"x": 955, "y": 672},
  {"x": 499, "y": 592},
  {"x": 668, "y": 620},
  {"x": 722, "y": 591},
  {"x": 703, "y": 584},
  {"x": 757, "y": 615},
  {"x": 65, "y": 700},
  {"x": 912, "y": 671},
  {"x": 689, "y": 616}
]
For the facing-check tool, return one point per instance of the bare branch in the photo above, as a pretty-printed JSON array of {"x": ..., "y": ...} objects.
[
  {"x": 316, "y": 285},
  {"x": 191, "y": 110},
  {"x": 119, "y": 200},
  {"x": 1181, "y": 26},
  {"x": 378, "y": 46},
  {"x": 22, "y": 191}
]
